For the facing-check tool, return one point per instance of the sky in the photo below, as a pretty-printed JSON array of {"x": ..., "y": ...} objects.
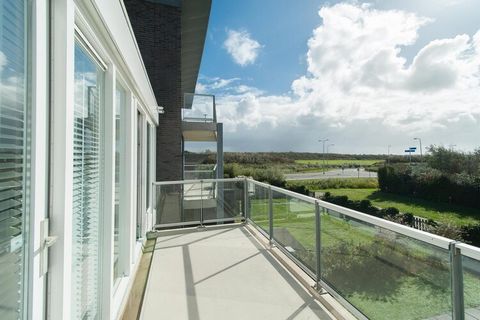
[{"x": 364, "y": 75}]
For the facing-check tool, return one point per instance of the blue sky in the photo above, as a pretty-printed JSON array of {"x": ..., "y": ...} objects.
[
  {"x": 282, "y": 27},
  {"x": 365, "y": 75}
]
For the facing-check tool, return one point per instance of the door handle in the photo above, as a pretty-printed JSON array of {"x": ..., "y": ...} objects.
[{"x": 48, "y": 241}]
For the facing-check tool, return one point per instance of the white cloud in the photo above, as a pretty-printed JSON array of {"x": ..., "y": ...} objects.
[
  {"x": 358, "y": 82},
  {"x": 240, "y": 45},
  {"x": 206, "y": 84}
]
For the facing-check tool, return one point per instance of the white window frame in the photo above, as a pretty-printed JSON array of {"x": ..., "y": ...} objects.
[
  {"x": 67, "y": 18},
  {"x": 38, "y": 74}
]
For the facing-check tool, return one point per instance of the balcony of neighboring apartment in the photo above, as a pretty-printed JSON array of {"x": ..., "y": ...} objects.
[
  {"x": 200, "y": 127},
  {"x": 242, "y": 249},
  {"x": 199, "y": 118}
]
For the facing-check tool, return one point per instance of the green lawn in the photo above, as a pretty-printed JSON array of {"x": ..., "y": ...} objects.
[
  {"x": 340, "y": 162},
  {"x": 440, "y": 212},
  {"x": 377, "y": 271}
]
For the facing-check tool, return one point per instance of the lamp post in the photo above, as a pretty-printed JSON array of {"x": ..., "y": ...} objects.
[
  {"x": 421, "y": 151},
  {"x": 323, "y": 152}
]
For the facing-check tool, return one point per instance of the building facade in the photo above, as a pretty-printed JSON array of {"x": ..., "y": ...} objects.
[{"x": 79, "y": 127}]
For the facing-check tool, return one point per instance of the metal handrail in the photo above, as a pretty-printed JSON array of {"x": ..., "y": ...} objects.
[{"x": 436, "y": 240}]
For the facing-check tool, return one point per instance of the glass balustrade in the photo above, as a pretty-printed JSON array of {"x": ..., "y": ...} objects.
[{"x": 376, "y": 268}]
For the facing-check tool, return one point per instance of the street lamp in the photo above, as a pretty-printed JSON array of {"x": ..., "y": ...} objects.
[
  {"x": 323, "y": 152},
  {"x": 421, "y": 151}
]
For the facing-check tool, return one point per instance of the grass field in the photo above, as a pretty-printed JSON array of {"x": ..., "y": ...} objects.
[
  {"x": 384, "y": 275},
  {"x": 440, "y": 212},
  {"x": 340, "y": 162}
]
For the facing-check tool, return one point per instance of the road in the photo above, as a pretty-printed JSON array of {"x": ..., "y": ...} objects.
[{"x": 336, "y": 173}]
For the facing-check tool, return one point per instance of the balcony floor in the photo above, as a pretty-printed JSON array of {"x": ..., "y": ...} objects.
[{"x": 222, "y": 273}]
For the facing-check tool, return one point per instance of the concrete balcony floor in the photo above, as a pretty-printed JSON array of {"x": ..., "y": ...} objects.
[{"x": 223, "y": 273}]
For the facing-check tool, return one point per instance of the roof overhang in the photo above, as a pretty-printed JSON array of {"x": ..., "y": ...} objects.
[{"x": 195, "y": 16}]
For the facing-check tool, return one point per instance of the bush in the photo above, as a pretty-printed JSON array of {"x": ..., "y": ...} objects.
[
  {"x": 408, "y": 219},
  {"x": 471, "y": 234},
  {"x": 431, "y": 184},
  {"x": 448, "y": 231},
  {"x": 353, "y": 183},
  {"x": 390, "y": 212},
  {"x": 299, "y": 189},
  {"x": 270, "y": 175}
]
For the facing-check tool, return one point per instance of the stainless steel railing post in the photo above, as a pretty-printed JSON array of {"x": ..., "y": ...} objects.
[
  {"x": 270, "y": 214},
  {"x": 153, "y": 200},
  {"x": 245, "y": 200},
  {"x": 458, "y": 311},
  {"x": 201, "y": 203},
  {"x": 318, "y": 244}
]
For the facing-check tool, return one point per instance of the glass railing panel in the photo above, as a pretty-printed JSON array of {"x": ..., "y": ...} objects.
[
  {"x": 192, "y": 203},
  {"x": 198, "y": 174},
  {"x": 198, "y": 108},
  {"x": 176, "y": 203},
  {"x": 384, "y": 274},
  {"x": 294, "y": 227},
  {"x": 224, "y": 201},
  {"x": 471, "y": 281},
  {"x": 258, "y": 205}
]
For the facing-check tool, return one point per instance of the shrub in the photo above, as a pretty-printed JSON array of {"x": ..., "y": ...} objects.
[
  {"x": 299, "y": 189},
  {"x": 448, "y": 231},
  {"x": 471, "y": 234},
  {"x": 353, "y": 183},
  {"x": 270, "y": 175},
  {"x": 408, "y": 219},
  {"x": 431, "y": 184},
  {"x": 390, "y": 212}
]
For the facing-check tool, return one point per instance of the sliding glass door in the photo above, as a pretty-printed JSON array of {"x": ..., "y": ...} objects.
[
  {"x": 87, "y": 177},
  {"x": 14, "y": 157}
]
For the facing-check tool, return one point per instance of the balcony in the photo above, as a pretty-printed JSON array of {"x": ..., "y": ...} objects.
[
  {"x": 199, "y": 118},
  {"x": 247, "y": 250}
]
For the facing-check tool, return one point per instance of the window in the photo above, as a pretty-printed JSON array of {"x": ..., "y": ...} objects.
[
  {"x": 119, "y": 154},
  {"x": 87, "y": 174},
  {"x": 14, "y": 156}
]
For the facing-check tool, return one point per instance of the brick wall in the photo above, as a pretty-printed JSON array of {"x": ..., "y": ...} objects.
[{"x": 157, "y": 29}]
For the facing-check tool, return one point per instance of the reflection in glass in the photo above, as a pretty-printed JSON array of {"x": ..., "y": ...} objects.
[
  {"x": 13, "y": 158},
  {"x": 119, "y": 106},
  {"x": 381, "y": 272},
  {"x": 87, "y": 173}
]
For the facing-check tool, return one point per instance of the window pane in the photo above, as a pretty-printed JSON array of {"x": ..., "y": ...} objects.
[
  {"x": 13, "y": 158},
  {"x": 86, "y": 185},
  {"x": 119, "y": 107}
]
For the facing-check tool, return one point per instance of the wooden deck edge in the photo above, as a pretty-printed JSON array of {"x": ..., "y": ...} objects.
[{"x": 133, "y": 306}]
